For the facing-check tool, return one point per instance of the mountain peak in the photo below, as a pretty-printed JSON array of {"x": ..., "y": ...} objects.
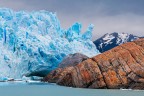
[{"x": 111, "y": 40}]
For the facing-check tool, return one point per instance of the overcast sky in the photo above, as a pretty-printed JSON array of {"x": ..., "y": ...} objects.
[{"x": 107, "y": 15}]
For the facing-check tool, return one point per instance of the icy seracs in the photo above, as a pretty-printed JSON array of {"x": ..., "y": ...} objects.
[{"x": 29, "y": 40}]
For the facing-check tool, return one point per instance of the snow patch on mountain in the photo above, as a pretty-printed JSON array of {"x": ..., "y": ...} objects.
[{"x": 108, "y": 38}]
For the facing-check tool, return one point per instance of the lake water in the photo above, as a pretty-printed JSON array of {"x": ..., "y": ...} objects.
[{"x": 46, "y": 89}]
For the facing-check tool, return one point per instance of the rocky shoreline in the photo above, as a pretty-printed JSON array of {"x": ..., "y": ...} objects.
[{"x": 120, "y": 67}]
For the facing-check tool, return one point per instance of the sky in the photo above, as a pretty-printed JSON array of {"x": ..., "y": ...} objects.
[{"x": 107, "y": 15}]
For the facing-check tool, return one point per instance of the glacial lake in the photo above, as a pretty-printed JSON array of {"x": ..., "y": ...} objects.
[{"x": 47, "y": 89}]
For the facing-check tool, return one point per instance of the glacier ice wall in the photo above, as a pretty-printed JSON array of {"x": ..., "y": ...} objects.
[{"x": 29, "y": 40}]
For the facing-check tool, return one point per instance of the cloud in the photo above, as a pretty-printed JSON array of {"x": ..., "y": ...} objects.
[
  {"x": 128, "y": 23},
  {"x": 107, "y": 15}
]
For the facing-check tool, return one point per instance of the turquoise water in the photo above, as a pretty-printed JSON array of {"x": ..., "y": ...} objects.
[{"x": 46, "y": 89}]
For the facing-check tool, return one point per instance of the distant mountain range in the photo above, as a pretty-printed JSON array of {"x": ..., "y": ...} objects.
[{"x": 111, "y": 40}]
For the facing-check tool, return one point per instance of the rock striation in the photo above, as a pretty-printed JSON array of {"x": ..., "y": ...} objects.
[{"x": 120, "y": 67}]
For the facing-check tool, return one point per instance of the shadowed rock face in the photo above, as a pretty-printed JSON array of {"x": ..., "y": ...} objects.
[
  {"x": 120, "y": 67},
  {"x": 72, "y": 60}
]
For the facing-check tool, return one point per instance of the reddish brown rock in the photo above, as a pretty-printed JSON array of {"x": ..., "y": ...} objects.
[{"x": 120, "y": 67}]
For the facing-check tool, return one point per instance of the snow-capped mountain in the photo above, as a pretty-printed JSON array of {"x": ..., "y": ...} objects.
[{"x": 111, "y": 40}]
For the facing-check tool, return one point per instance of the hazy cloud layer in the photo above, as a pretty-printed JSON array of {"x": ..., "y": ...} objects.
[{"x": 107, "y": 15}]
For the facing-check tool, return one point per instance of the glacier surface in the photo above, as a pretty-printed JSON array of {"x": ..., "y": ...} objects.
[{"x": 29, "y": 40}]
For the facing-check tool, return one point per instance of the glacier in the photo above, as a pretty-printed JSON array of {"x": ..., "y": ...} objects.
[{"x": 29, "y": 40}]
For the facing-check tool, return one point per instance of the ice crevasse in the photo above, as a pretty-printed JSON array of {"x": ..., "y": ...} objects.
[{"x": 29, "y": 40}]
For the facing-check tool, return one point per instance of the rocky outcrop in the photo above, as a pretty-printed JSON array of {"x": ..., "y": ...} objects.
[{"x": 120, "y": 67}]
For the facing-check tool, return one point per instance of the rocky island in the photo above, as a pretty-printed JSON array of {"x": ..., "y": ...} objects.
[{"x": 120, "y": 67}]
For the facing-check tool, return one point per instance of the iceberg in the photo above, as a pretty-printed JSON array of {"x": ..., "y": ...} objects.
[{"x": 29, "y": 40}]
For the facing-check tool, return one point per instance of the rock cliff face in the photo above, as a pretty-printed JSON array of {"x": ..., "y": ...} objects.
[{"x": 120, "y": 67}]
